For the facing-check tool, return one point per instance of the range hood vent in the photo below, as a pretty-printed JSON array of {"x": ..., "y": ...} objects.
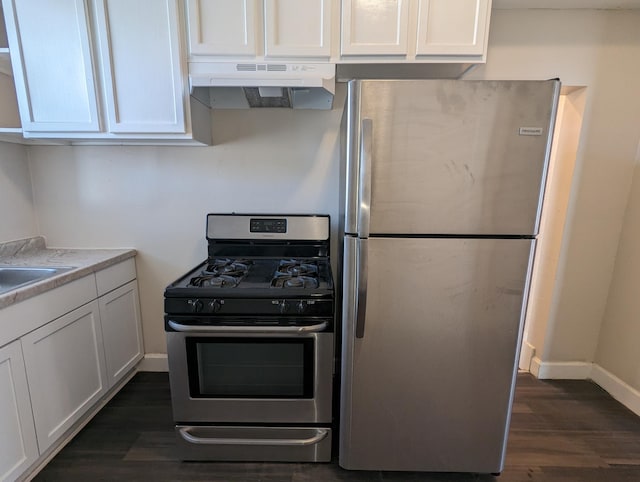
[{"x": 231, "y": 85}]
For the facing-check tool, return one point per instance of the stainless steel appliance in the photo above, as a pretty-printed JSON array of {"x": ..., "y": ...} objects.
[
  {"x": 443, "y": 192},
  {"x": 250, "y": 337}
]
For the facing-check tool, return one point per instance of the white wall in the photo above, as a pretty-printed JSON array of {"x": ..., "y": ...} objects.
[
  {"x": 155, "y": 198},
  {"x": 619, "y": 344},
  {"x": 17, "y": 216},
  {"x": 557, "y": 195},
  {"x": 599, "y": 50}
]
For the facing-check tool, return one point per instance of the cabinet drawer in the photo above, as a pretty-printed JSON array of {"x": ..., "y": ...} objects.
[{"x": 110, "y": 278}]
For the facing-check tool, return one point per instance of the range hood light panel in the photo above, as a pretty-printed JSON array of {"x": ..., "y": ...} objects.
[
  {"x": 230, "y": 85},
  {"x": 270, "y": 91}
]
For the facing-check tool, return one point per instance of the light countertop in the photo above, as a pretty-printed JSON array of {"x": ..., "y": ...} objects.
[{"x": 33, "y": 252}]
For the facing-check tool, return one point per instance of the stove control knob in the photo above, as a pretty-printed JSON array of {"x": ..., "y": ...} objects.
[
  {"x": 301, "y": 306},
  {"x": 284, "y": 306},
  {"x": 195, "y": 305},
  {"x": 214, "y": 306}
]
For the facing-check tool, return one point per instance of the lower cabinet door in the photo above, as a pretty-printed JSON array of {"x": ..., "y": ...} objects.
[
  {"x": 121, "y": 329},
  {"x": 66, "y": 371},
  {"x": 18, "y": 447}
]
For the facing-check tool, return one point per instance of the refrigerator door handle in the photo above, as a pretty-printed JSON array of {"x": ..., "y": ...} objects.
[
  {"x": 361, "y": 293},
  {"x": 366, "y": 154}
]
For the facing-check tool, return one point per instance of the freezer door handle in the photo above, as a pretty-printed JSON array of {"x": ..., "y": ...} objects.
[
  {"x": 366, "y": 155},
  {"x": 361, "y": 293}
]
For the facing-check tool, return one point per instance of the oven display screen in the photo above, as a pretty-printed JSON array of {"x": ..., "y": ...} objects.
[{"x": 268, "y": 225}]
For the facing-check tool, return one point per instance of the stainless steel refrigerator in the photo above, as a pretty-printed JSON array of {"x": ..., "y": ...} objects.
[{"x": 443, "y": 187}]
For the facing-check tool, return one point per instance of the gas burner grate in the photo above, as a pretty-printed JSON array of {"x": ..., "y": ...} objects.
[
  {"x": 296, "y": 273},
  {"x": 222, "y": 273},
  {"x": 298, "y": 267},
  {"x": 283, "y": 280}
]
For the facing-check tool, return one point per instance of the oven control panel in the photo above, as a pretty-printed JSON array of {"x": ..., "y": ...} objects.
[
  {"x": 238, "y": 306},
  {"x": 272, "y": 225}
]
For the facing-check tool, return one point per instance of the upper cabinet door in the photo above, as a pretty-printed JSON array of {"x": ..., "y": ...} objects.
[
  {"x": 374, "y": 28},
  {"x": 222, "y": 27},
  {"x": 142, "y": 79},
  {"x": 452, "y": 27},
  {"x": 55, "y": 83},
  {"x": 297, "y": 28}
]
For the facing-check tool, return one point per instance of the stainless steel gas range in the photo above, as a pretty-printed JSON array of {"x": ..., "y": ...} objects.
[{"x": 250, "y": 337}]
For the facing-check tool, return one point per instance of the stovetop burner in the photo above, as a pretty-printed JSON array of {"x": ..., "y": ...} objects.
[
  {"x": 258, "y": 275},
  {"x": 294, "y": 281},
  {"x": 222, "y": 273},
  {"x": 298, "y": 267},
  {"x": 259, "y": 269},
  {"x": 296, "y": 273}
]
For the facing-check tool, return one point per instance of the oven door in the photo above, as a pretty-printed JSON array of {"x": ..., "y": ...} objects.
[{"x": 251, "y": 374}]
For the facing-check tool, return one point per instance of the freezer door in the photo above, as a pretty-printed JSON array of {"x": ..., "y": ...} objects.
[
  {"x": 451, "y": 157},
  {"x": 429, "y": 385}
]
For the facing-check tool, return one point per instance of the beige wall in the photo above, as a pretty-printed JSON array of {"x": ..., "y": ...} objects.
[
  {"x": 155, "y": 199},
  {"x": 551, "y": 235},
  {"x": 17, "y": 215},
  {"x": 619, "y": 345},
  {"x": 607, "y": 168},
  {"x": 599, "y": 50}
]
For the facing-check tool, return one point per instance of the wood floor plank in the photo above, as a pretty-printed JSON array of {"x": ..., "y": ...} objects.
[{"x": 569, "y": 431}]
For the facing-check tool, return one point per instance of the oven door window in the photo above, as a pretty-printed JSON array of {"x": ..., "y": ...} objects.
[{"x": 250, "y": 367}]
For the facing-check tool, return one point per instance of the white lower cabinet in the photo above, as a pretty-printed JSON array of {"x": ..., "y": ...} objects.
[
  {"x": 121, "y": 330},
  {"x": 78, "y": 343},
  {"x": 66, "y": 371},
  {"x": 18, "y": 448}
]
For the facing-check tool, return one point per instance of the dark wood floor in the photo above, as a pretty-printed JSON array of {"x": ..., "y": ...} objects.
[{"x": 561, "y": 431}]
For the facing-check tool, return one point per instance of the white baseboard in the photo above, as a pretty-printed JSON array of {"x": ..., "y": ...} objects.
[
  {"x": 618, "y": 389},
  {"x": 560, "y": 370},
  {"x": 154, "y": 362},
  {"x": 527, "y": 352}
]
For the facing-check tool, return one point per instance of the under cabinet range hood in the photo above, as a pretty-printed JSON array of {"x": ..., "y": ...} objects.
[{"x": 243, "y": 85}]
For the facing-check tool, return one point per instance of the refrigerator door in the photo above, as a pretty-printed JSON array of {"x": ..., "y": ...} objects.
[
  {"x": 449, "y": 156},
  {"x": 428, "y": 385}
]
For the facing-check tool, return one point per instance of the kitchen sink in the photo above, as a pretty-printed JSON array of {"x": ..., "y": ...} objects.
[{"x": 14, "y": 277}]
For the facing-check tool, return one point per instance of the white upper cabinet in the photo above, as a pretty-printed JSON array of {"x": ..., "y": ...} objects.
[
  {"x": 414, "y": 30},
  {"x": 9, "y": 116},
  {"x": 297, "y": 28},
  {"x": 55, "y": 86},
  {"x": 101, "y": 70},
  {"x": 452, "y": 27},
  {"x": 141, "y": 74},
  {"x": 375, "y": 28},
  {"x": 267, "y": 29},
  {"x": 222, "y": 27}
]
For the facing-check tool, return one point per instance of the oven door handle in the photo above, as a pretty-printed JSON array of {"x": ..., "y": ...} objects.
[
  {"x": 186, "y": 435},
  {"x": 298, "y": 330}
]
